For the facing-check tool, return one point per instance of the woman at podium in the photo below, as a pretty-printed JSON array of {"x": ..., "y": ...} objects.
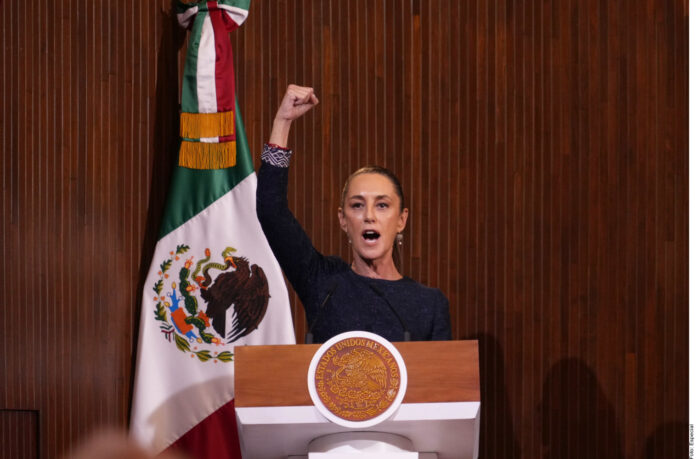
[{"x": 370, "y": 293}]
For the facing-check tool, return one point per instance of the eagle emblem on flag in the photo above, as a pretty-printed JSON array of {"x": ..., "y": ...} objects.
[{"x": 202, "y": 303}]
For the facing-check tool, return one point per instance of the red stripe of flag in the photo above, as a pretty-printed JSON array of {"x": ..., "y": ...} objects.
[
  {"x": 224, "y": 66},
  {"x": 215, "y": 437}
]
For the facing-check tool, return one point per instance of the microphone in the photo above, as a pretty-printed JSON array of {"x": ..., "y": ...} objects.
[
  {"x": 309, "y": 337},
  {"x": 407, "y": 334}
]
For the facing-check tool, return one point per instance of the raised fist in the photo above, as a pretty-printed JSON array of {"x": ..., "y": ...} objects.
[{"x": 296, "y": 102}]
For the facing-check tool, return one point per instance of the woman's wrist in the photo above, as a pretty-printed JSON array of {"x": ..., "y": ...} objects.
[
  {"x": 280, "y": 132},
  {"x": 276, "y": 155}
]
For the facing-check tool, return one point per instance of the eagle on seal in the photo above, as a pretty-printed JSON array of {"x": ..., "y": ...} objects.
[
  {"x": 245, "y": 289},
  {"x": 360, "y": 369}
]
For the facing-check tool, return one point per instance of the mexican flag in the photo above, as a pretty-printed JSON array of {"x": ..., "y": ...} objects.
[{"x": 213, "y": 283}]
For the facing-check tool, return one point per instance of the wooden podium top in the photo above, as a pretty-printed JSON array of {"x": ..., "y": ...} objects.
[{"x": 438, "y": 371}]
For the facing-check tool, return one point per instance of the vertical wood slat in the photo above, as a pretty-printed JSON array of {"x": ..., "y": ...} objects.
[{"x": 541, "y": 145}]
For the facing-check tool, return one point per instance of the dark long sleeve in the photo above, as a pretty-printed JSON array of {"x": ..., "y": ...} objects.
[
  {"x": 442, "y": 329},
  {"x": 291, "y": 246}
]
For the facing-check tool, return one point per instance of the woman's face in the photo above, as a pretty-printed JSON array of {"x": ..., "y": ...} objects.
[{"x": 371, "y": 216}]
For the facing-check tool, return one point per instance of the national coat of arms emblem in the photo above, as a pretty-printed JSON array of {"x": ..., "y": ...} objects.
[
  {"x": 357, "y": 379},
  {"x": 204, "y": 304}
]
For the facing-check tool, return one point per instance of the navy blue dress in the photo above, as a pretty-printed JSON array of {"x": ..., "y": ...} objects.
[{"x": 356, "y": 302}]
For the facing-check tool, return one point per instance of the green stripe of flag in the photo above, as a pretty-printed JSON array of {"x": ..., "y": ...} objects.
[
  {"x": 189, "y": 97},
  {"x": 243, "y": 4},
  {"x": 193, "y": 190}
]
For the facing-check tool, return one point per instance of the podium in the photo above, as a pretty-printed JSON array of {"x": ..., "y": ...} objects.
[{"x": 438, "y": 418}]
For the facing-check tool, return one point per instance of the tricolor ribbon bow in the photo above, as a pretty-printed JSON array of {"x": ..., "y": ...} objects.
[{"x": 207, "y": 97}]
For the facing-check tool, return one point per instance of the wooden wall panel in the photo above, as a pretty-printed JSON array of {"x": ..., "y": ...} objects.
[
  {"x": 542, "y": 146},
  {"x": 80, "y": 137},
  {"x": 19, "y": 434}
]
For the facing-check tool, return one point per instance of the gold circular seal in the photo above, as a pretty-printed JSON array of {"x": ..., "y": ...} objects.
[{"x": 357, "y": 378}]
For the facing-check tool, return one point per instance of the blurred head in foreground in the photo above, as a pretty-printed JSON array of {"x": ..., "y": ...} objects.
[{"x": 114, "y": 444}]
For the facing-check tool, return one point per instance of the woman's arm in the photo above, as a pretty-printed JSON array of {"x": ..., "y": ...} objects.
[
  {"x": 290, "y": 244},
  {"x": 442, "y": 328}
]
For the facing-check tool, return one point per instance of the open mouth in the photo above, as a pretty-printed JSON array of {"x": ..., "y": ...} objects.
[{"x": 370, "y": 235}]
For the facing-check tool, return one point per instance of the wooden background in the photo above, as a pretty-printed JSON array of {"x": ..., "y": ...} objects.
[{"x": 542, "y": 145}]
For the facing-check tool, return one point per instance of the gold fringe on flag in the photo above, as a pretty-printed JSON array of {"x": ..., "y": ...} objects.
[
  {"x": 203, "y": 155},
  {"x": 197, "y": 125}
]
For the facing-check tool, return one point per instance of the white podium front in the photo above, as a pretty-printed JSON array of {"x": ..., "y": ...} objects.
[
  {"x": 365, "y": 445},
  {"x": 439, "y": 417}
]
